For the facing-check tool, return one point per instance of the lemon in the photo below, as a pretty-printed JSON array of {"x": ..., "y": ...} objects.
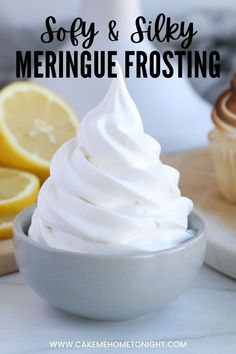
[
  {"x": 18, "y": 190},
  {"x": 5, "y": 230},
  {"x": 34, "y": 123}
]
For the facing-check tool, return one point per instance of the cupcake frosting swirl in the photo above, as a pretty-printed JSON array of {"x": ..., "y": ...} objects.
[
  {"x": 224, "y": 112},
  {"x": 108, "y": 192}
]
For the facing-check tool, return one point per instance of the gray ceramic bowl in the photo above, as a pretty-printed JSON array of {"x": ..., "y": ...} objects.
[{"x": 111, "y": 288}]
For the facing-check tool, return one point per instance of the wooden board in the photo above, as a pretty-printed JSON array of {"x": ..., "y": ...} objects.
[
  {"x": 198, "y": 182},
  {"x": 7, "y": 258}
]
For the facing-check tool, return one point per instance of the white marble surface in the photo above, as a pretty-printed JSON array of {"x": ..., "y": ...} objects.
[
  {"x": 221, "y": 244},
  {"x": 204, "y": 316}
]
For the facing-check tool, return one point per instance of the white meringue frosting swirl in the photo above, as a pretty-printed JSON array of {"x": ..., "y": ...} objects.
[{"x": 108, "y": 192}]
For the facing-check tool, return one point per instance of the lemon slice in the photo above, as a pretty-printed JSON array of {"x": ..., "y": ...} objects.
[
  {"x": 6, "y": 227},
  {"x": 18, "y": 190},
  {"x": 5, "y": 231},
  {"x": 34, "y": 123}
]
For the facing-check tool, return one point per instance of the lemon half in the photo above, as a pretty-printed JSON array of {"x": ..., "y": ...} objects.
[
  {"x": 18, "y": 190},
  {"x": 34, "y": 123}
]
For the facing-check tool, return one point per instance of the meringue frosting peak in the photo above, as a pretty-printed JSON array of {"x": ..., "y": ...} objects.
[
  {"x": 108, "y": 191},
  {"x": 224, "y": 112}
]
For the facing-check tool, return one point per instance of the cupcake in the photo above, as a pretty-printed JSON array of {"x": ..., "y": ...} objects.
[{"x": 223, "y": 141}]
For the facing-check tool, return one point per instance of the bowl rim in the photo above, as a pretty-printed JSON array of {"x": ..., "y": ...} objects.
[{"x": 27, "y": 213}]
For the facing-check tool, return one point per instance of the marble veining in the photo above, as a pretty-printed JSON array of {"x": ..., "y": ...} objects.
[{"x": 204, "y": 316}]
